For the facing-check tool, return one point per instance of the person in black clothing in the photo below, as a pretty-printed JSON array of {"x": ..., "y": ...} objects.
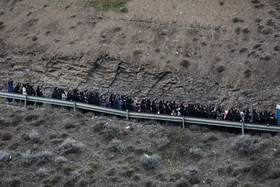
[
  {"x": 149, "y": 105},
  {"x": 247, "y": 115},
  {"x": 184, "y": 109},
  {"x": 55, "y": 94},
  {"x": 162, "y": 106},
  {"x": 116, "y": 102},
  {"x": 112, "y": 100},
  {"x": 96, "y": 100},
  {"x": 30, "y": 91},
  {"x": 155, "y": 107},
  {"x": 255, "y": 117},
  {"x": 18, "y": 90},
  {"x": 167, "y": 109},
  {"x": 39, "y": 94},
  {"x": 76, "y": 95},
  {"x": 70, "y": 96},
  {"x": 129, "y": 103},
  {"x": 263, "y": 118},
  {"x": 271, "y": 120},
  {"x": 82, "y": 97},
  {"x": 124, "y": 107},
  {"x": 204, "y": 113}
]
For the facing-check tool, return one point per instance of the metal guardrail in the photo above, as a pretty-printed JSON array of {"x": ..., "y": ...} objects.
[{"x": 128, "y": 114}]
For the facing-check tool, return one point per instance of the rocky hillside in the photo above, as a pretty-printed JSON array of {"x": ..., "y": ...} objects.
[
  {"x": 53, "y": 147},
  {"x": 222, "y": 51}
]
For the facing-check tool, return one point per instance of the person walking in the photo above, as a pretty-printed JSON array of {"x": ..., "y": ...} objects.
[
  {"x": 39, "y": 93},
  {"x": 10, "y": 90}
]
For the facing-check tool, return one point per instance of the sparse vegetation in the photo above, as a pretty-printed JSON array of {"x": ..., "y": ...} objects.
[
  {"x": 260, "y": 167},
  {"x": 185, "y": 63},
  {"x": 267, "y": 31},
  {"x": 99, "y": 127},
  {"x": 237, "y": 30},
  {"x": 244, "y": 145},
  {"x": 34, "y": 136},
  {"x": 258, "y": 20},
  {"x": 236, "y": 20},
  {"x": 115, "y": 146},
  {"x": 243, "y": 50},
  {"x": 105, "y": 5},
  {"x": 246, "y": 30},
  {"x": 31, "y": 117},
  {"x": 259, "y": 6},
  {"x": 138, "y": 52},
  {"x": 112, "y": 132},
  {"x": 257, "y": 46},
  {"x": 70, "y": 146},
  {"x": 220, "y": 69},
  {"x": 150, "y": 162},
  {"x": 163, "y": 143},
  {"x": 43, "y": 157},
  {"x": 247, "y": 73},
  {"x": 60, "y": 160},
  {"x": 4, "y": 156},
  {"x": 27, "y": 158},
  {"x": 42, "y": 172}
]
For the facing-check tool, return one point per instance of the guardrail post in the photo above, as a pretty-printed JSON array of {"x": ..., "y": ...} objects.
[
  {"x": 74, "y": 107},
  {"x": 243, "y": 128},
  {"x": 25, "y": 101},
  {"x": 127, "y": 115},
  {"x": 183, "y": 122},
  {"x": 243, "y": 122}
]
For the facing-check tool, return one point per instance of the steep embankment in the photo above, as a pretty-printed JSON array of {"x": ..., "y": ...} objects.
[
  {"x": 222, "y": 52},
  {"x": 52, "y": 147}
]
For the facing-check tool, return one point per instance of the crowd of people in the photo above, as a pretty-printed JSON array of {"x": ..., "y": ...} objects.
[{"x": 156, "y": 106}]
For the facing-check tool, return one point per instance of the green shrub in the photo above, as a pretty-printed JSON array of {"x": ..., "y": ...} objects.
[
  {"x": 257, "y": 46},
  {"x": 247, "y": 73},
  {"x": 244, "y": 145},
  {"x": 236, "y": 20},
  {"x": 267, "y": 31},
  {"x": 150, "y": 162},
  {"x": 243, "y": 50},
  {"x": 258, "y": 20},
  {"x": 259, "y": 6},
  {"x": 246, "y": 30},
  {"x": 105, "y": 5},
  {"x": 138, "y": 52},
  {"x": 112, "y": 132},
  {"x": 237, "y": 30},
  {"x": 220, "y": 69},
  {"x": 70, "y": 146},
  {"x": 185, "y": 63}
]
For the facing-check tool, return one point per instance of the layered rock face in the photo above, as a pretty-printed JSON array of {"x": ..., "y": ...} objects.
[{"x": 214, "y": 52}]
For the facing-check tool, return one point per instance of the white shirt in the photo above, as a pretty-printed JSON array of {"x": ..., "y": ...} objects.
[{"x": 23, "y": 90}]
